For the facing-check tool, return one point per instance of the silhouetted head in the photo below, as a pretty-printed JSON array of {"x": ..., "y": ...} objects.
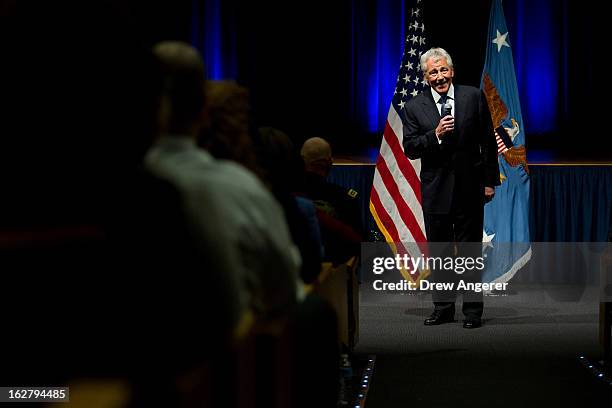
[
  {"x": 226, "y": 133},
  {"x": 317, "y": 155},
  {"x": 282, "y": 165},
  {"x": 183, "y": 96}
]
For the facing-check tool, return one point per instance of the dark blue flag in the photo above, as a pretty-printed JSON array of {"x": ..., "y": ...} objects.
[{"x": 506, "y": 222}]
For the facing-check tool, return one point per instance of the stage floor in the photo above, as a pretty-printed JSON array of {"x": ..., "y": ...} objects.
[{"x": 525, "y": 354}]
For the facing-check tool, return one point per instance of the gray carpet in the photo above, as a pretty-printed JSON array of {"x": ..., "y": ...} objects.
[{"x": 524, "y": 355}]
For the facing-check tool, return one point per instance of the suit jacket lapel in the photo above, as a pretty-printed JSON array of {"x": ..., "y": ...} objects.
[
  {"x": 459, "y": 106},
  {"x": 430, "y": 108}
]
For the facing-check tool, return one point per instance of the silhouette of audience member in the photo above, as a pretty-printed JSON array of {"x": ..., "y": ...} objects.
[
  {"x": 282, "y": 169},
  {"x": 337, "y": 207},
  {"x": 110, "y": 259},
  {"x": 226, "y": 134},
  {"x": 316, "y": 327},
  {"x": 233, "y": 219}
]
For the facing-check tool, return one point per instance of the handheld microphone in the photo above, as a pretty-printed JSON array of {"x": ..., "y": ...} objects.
[{"x": 446, "y": 109}]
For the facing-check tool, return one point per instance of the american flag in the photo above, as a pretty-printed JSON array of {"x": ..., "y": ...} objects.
[
  {"x": 504, "y": 143},
  {"x": 395, "y": 199}
]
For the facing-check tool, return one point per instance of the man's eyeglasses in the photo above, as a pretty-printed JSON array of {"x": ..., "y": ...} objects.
[{"x": 436, "y": 73}]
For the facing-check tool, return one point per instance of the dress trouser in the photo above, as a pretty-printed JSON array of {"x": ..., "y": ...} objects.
[{"x": 455, "y": 235}]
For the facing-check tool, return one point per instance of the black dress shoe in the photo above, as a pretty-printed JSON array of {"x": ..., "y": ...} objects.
[
  {"x": 472, "y": 323},
  {"x": 438, "y": 317}
]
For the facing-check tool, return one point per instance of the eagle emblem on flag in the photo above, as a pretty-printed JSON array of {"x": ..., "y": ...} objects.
[{"x": 512, "y": 154}]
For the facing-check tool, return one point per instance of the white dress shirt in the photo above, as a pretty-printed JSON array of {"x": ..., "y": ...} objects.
[
  {"x": 450, "y": 99},
  {"x": 235, "y": 220}
]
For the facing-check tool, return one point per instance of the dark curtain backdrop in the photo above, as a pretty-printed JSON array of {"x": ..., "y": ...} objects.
[
  {"x": 571, "y": 203},
  {"x": 76, "y": 92},
  {"x": 329, "y": 67},
  {"x": 295, "y": 59}
]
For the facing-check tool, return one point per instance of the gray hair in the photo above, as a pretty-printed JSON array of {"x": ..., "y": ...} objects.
[{"x": 436, "y": 54}]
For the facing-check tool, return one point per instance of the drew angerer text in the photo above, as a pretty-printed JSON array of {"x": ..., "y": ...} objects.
[{"x": 404, "y": 285}]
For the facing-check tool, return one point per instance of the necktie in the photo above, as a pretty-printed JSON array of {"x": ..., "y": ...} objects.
[{"x": 442, "y": 102}]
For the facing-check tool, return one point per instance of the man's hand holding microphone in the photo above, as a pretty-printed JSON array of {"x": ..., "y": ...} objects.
[{"x": 447, "y": 123}]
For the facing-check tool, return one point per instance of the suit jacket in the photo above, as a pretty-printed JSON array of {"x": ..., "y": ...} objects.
[{"x": 454, "y": 172}]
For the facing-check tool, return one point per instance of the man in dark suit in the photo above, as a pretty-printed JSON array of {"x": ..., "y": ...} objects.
[{"x": 449, "y": 128}]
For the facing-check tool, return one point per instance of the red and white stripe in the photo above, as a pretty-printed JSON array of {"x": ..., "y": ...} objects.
[
  {"x": 395, "y": 199},
  {"x": 501, "y": 146}
]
